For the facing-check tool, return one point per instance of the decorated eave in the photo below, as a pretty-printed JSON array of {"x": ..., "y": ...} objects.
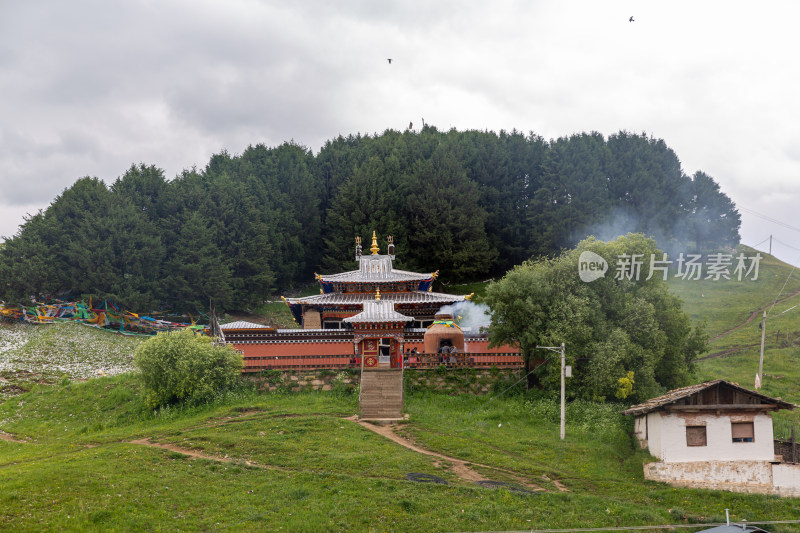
[
  {"x": 356, "y": 300},
  {"x": 378, "y": 311},
  {"x": 674, "y": 400}
]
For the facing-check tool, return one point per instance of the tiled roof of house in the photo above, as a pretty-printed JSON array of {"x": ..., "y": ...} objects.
[
  {"x": 412, "y": 297},
  {"x": 678, "y": 394},
  {"x": 378, "y": 311}
]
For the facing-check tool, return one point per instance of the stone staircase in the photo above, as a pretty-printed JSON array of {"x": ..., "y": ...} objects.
[{"x": 381, "y": 394}]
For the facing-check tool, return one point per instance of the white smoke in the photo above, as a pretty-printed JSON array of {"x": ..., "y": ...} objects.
[{"x": 469, "y": 315}]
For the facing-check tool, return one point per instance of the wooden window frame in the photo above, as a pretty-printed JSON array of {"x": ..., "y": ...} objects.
[
  {"x": 692, "y": 436},
  {"x": 747, "y": 435}
]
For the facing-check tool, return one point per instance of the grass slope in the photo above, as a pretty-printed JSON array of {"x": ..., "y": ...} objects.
[
  {"x": 734, "y": 353},
  {"x": 293, "y": 462}
]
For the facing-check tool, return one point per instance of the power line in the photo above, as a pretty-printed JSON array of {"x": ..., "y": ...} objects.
[
  {"x": 767, "y": 218},
  {"x": 786, "y": 245}
]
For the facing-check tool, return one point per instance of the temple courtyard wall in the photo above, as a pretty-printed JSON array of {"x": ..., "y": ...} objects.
[{"x": 477, "y": 381}]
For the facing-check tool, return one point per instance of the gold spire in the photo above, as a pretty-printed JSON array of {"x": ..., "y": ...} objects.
[
  {"x": 377, "y": 294},
  {"x": 374, "y": 248}
]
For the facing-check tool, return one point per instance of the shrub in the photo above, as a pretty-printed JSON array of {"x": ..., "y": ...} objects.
[{"x": 181, "y": 366}]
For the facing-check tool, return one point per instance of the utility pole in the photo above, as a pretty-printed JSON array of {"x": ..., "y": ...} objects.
[
  {"x": 561, "y": 349},
  {"x": 563, "y": 387},
  {"x": 761, "y": 357}
]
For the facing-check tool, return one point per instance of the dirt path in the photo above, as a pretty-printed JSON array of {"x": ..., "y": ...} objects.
[
  {"x": 726, "y": 353},
  {"x": 752, "y": 317},
  {"x": 193, "y": 453},
  {"x": 10, "y": 438},
  {"x": 460, "y": 467}
]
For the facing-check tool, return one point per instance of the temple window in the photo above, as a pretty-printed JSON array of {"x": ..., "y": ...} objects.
[
  {"x": 385, "y": 346},
  {"x": 332, "y": 323}
]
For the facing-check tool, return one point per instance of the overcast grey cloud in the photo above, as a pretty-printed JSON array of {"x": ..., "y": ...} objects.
[{"x": 91, "y": 87}]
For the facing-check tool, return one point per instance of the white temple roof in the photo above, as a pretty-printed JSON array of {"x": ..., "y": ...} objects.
[
  {"x": 375, "y": 268},
  {"x": 378, "y": 311},
  {"x": 242, "y": 324}
]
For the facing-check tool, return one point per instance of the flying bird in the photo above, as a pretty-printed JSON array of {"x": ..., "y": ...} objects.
[
  {"x": 389, "y": 59},
  {"x": 629, "y": 20}
]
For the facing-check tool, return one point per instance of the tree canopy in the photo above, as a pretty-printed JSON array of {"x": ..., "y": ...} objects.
[
  {"x": 626, "y": 336},
  {"x": 470, "y": 203}
]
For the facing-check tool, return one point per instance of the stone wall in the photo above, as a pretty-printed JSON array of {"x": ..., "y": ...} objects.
[
  {"x": 449, "y": 380},
  {"x": 757, "y": 477},
  {"x": 476, "y": 381},
  {"x": 302, "y": 380}
]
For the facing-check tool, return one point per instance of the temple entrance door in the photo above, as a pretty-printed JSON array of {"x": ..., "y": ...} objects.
[{"x": 384, "y": 351}]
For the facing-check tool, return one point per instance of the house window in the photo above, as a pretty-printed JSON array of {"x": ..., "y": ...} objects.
[
  {"x": 742, "y": 431},
  {"x": 695, "y": 435}
]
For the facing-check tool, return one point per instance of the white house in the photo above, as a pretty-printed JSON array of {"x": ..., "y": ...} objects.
[{"x": 714, "y": 435}]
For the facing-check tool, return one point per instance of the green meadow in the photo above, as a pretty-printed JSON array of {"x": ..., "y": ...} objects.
[
  {"x": 294, "y": 462},
  {"x": 80, "y": 452}
]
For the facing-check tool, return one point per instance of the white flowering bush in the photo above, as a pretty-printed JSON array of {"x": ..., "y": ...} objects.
[{"x": 183, "y": 367}]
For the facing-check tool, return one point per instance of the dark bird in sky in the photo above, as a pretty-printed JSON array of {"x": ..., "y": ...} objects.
[
  {"x": 629, "y": 20},
  {"x": 389, "y": 59},
  {"x": 410, "y": 125}
]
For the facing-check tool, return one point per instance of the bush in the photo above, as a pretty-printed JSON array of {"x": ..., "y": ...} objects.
[{"x": 181, "y": 366}]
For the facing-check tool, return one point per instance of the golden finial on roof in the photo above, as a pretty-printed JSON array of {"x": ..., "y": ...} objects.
[
  {"x": 358, "y": 240},
  {"x": 377, "y": 294},
  {"x": 435, "y": 275},
  {"x": 317, "y": 277},
  {"x": 469, "y": 296},
  {"x": 374, "y": 248}
]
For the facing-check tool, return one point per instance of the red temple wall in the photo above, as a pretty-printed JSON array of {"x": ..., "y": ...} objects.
[{"x": 295, "y": 348}]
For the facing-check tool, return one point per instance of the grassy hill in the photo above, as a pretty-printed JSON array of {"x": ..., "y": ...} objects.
[
  {"x": 294, "y": 462},
  {"x": 732, "y": 311},
  {"x": 81, "y": 455}
]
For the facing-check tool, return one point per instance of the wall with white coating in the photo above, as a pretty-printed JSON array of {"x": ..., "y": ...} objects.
[{"x": 671, "y": 446}]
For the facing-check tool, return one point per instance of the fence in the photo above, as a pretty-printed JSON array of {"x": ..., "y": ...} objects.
[{"x": 786, "y": 442}]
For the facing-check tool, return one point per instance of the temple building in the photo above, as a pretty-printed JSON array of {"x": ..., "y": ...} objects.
[
  {"x": 343, "y": 295},
  {"x": 375, "y": 315}
]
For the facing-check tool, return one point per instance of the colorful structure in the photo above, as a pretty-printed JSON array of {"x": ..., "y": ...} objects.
[{"x": 376, "y": 315}]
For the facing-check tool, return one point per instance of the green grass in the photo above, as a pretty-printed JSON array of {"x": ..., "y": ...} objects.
[
  {"x": 312, "y": 470},
  {"x": 722, "y": 305},
  {"x": 725, "y": 303},
  {"x": 276, "y": 314}
]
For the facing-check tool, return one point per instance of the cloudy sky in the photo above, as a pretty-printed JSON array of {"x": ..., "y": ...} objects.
[{"x": 91, "y": 87}]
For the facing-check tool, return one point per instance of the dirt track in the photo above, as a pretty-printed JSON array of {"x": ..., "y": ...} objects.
[
  {"x": 459, "y": 467},
  {"x": 752, "y": 317}
]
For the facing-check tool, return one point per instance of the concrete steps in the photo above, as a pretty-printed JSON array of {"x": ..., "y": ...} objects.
[{"x": 382, "y": 394}]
